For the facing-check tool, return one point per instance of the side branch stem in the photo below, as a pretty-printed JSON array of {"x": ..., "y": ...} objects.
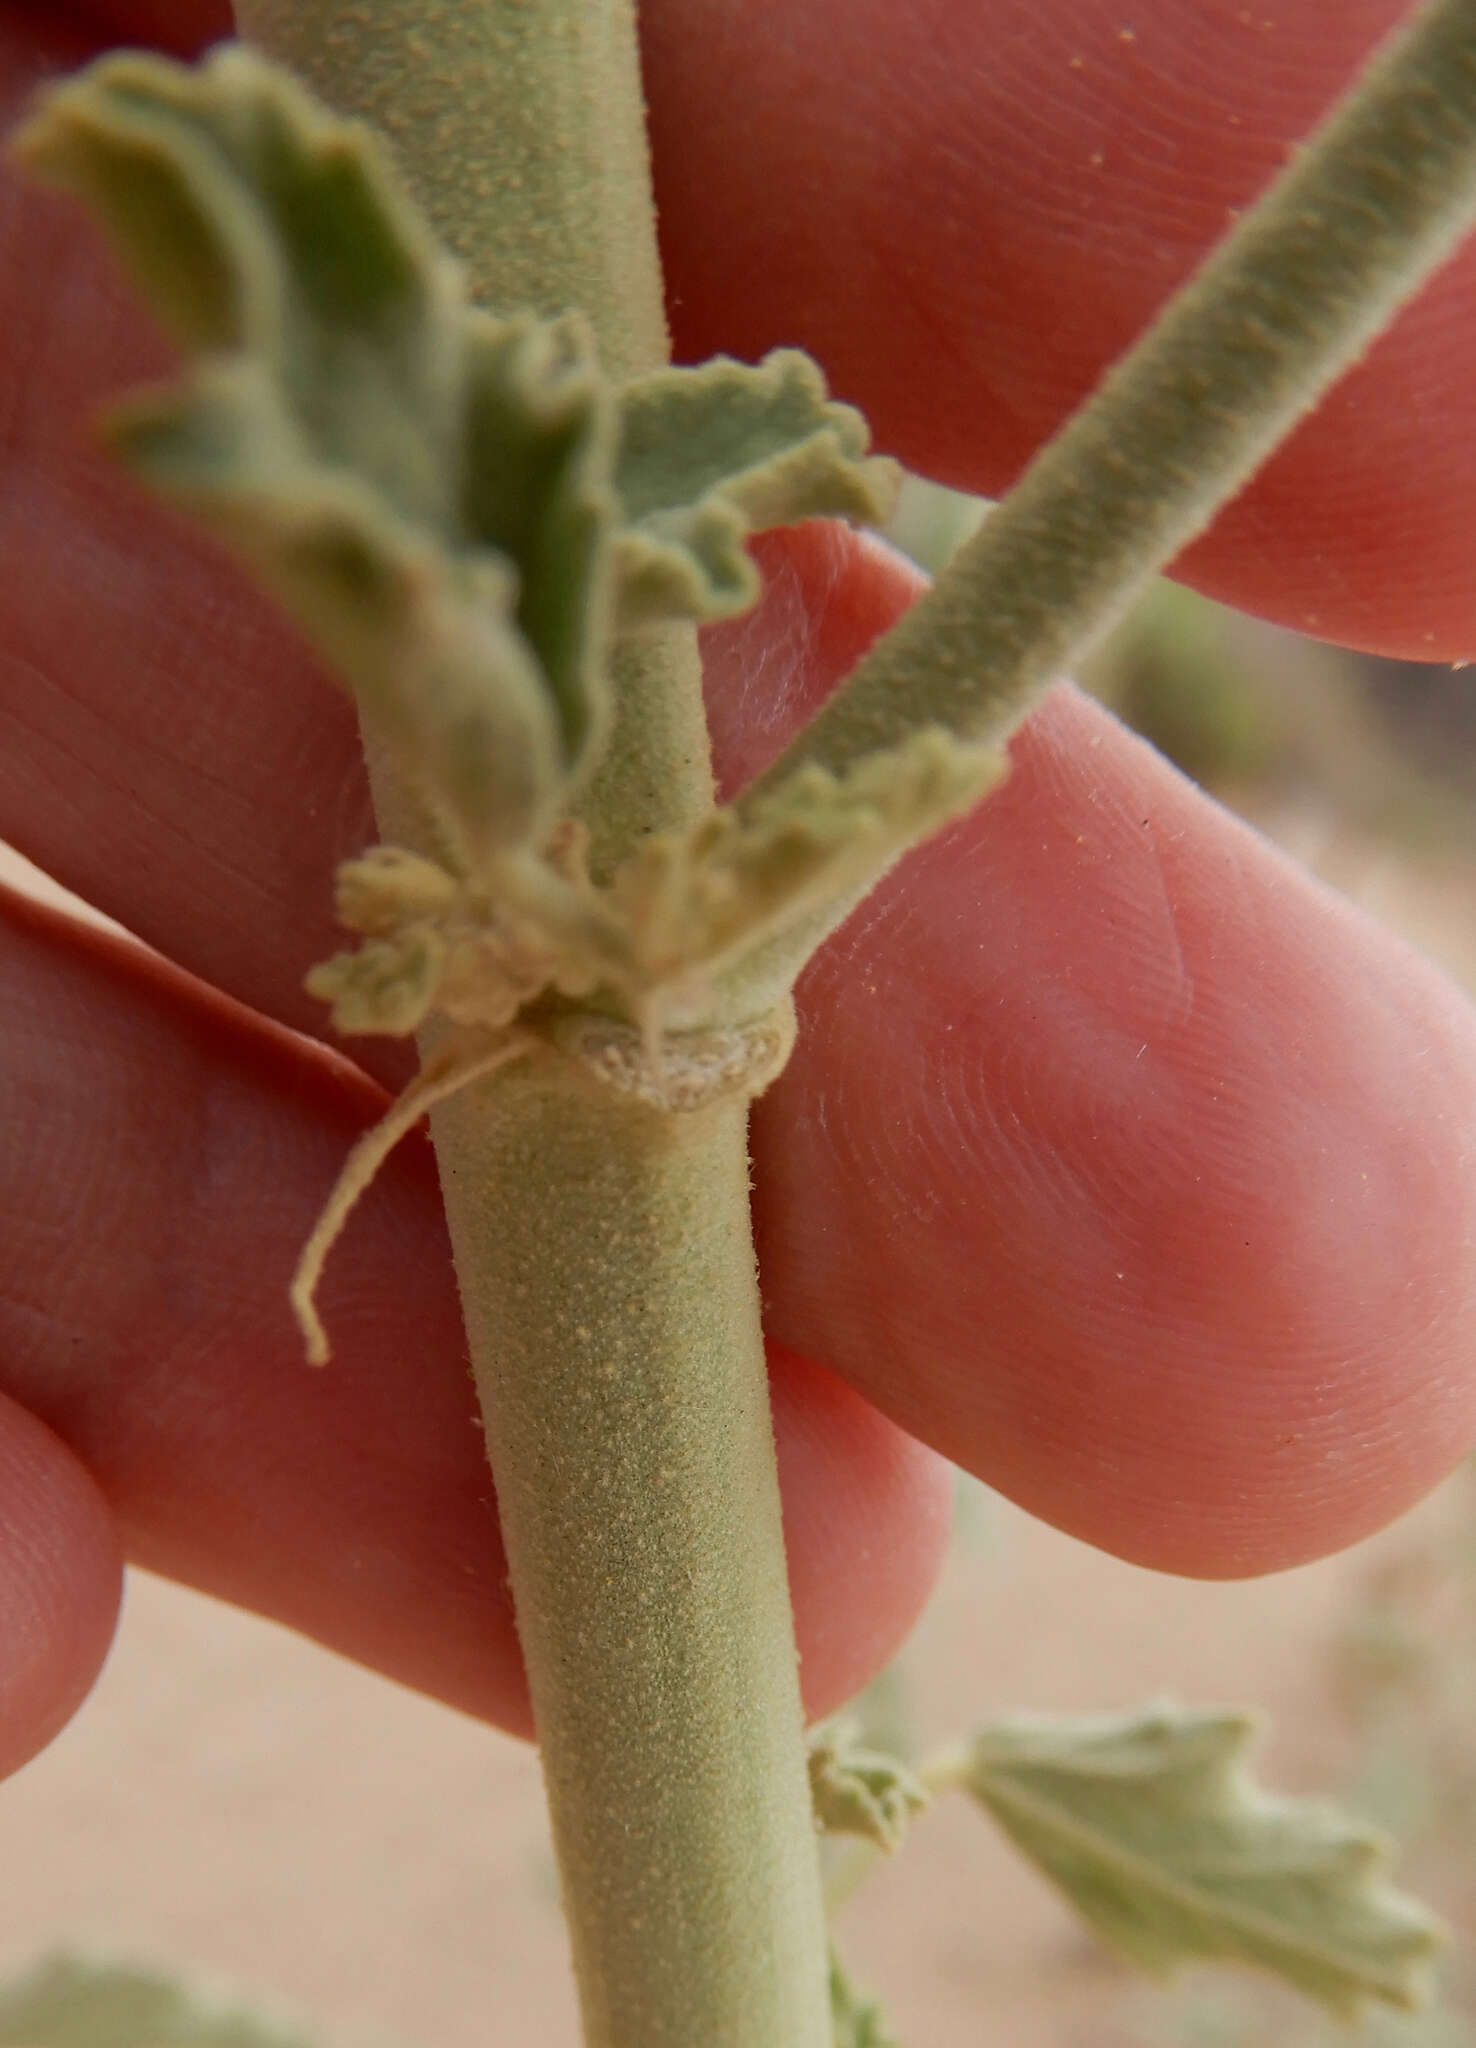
[{"x": 1363, "y": 214}]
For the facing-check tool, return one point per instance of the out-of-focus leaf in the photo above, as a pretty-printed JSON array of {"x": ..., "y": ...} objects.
[
  {"x": 1150, "y": 1825},
  {"x": 65, "y": 2002},
  {"x": 856, "y": 2021}
]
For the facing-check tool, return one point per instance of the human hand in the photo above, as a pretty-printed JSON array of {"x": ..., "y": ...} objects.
[{"x": 1116, "y": 1161}]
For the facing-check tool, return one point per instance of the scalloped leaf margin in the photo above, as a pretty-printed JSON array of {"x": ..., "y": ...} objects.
[
  {"x": 1150, "y": 1825},
  {"x": 460, "y": 509}
]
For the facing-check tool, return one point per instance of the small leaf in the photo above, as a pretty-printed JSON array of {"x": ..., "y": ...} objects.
[
  {"x": 698, "y": 901},
  {"x": 385, "y": 986},
  {"x": 426, "y": 487},
  {"x": 709, "y": 455},
  {"x": 859, "y": 1791},
  {"x": 67, "y": 2003},
  {"x": 855, "y": 2020},
  {"x": 1150, "y": 1825},
  {"x": 387, "y": 888}
]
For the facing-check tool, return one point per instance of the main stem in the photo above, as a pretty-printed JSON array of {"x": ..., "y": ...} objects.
[{"x": 603, "y": 1249}]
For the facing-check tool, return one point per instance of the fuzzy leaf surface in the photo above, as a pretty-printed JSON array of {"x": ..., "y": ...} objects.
[
  {"x": 65, "y": 2002},
  {"x": 425, "y": 486},
  {"x": 1150, "y": 1825},
  {"x": 709, "y": 455},
  {"x": 699, "y": 902}
]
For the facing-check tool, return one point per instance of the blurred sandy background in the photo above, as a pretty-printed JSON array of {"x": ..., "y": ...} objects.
[{"x": 239, "y": 1802}]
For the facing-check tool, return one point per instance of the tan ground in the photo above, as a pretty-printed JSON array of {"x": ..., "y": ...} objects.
[{"x": 237, "y": 1800}]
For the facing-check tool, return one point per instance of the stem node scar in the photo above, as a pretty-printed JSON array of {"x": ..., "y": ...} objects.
[{"x": 681, "y": 1071}]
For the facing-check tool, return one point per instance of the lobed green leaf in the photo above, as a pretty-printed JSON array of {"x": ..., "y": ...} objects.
[
  {"x": 453, "y": 505},
  {"x": 709, "y": 455},
  {"x": 1151, "y": 1827},
  {"x": 426, "y": 487}
]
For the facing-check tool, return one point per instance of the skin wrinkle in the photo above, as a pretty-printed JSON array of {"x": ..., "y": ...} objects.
[
  {"x": 26, "y": 1610},
  {"x": 1168, "y": 93},
  {"x": 1219, "y": 1047}
]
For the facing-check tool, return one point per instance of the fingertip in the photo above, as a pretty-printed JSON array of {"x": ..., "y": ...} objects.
[{"x": 60, "y": 1585}]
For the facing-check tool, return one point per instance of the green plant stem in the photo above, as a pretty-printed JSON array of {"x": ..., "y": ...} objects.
[
  {"x": 629, "y": 1431},
  {"x": 603, "y": 1251},
  {"x": 514, "y": 124},
  {"x": 1364, "y": 212}
]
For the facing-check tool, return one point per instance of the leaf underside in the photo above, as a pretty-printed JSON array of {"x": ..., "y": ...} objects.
[
  {"x": 423, "y": 485},
  {"x": 1151, "y": 1827}
]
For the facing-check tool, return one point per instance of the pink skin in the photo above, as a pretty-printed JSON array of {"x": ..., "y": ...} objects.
[{"x": 1117, "y": 1162}]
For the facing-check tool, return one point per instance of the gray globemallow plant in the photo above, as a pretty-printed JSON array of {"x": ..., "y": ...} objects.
[{"x": 429, "y": 404}]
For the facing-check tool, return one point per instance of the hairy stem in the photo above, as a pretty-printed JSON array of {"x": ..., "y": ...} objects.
[
  {"x": 1288, "y": 302},
  {"x": 603, "y": 1248},
  {"x": 629, "y": 1431}
]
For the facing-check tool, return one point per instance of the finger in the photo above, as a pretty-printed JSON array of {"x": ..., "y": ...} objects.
[
  {"x": 169, "y": 1151},
  {"x": 1118, "y": 1160},
  {"x": 183, "y": 27},
  {"x": 966, "y": 216},
  {"x": 60, "y": 1582}
]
